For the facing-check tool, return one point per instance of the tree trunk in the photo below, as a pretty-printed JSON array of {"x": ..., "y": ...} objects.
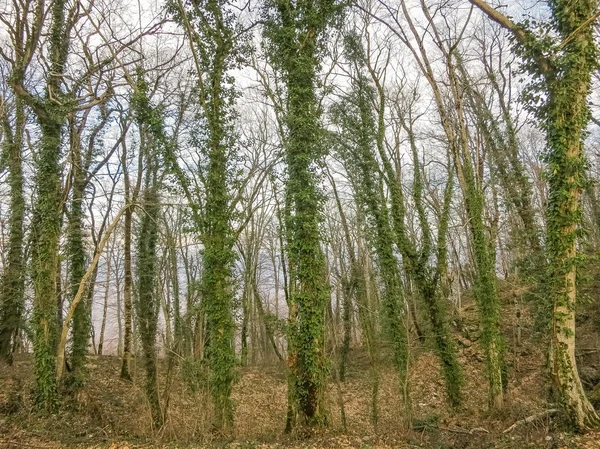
[
  {"x": 127, "y": 270},
  {"x": 12, "y": 282},
  {"x": 77, "y": 263},
  {"x": 105, "y": 306},
  {"x": 567, "y": 82},
  {"x": 46, "y": 232}
]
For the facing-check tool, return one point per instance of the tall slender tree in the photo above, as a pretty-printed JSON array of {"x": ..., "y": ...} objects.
[
  {"x": 147, "y": 303},
  {"x": 131, "y": 195},
  {"x": 51, "y": 111},
  {"x": 12, "y": 282},
  {"x": 296, "y": 33},
  {"x": 211, "y": 30},
  {"x": 561, "y": 69},
  {"x": 77, "y": 256}
]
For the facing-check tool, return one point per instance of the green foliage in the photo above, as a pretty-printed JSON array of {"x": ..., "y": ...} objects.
[
  {"x": 295, "y": 35},
  {"x": 561, "y": 56},
  {"x": 217, "y": 46},
  {"x": 12, "y": 281},
  {"x": 147, "y": 304}
]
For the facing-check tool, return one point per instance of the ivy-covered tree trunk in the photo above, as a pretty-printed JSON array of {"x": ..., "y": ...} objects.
[
  {"x": 562, "y": 73},
  {"x": 44, "y": 263},
  {"x": 245, "y": 318},
  {"x": 76, "y": 254},
  {"x": 147, "y": 301},
  {"x": 174, "y": 275},
  {"x": 51, "y": 112},
  {"x": 217, "y": 292},
  {"x": 12, "y": 283},
  {"x": 429, "y": 280},
  {"x": 214, "y": 47},
  {"x": 295, "y": 32},
  {"x": 486, "y": 288},
  {"x": 355, "y": 118},
  {"x": 347, "y": 290},
  {"x": 567, "y": 117}
]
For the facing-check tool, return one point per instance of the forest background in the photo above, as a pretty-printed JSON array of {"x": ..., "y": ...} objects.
[{"x": 392, "y": 204}]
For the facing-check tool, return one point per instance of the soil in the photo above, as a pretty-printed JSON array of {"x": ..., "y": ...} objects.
[{"x": 110, "y": 413}]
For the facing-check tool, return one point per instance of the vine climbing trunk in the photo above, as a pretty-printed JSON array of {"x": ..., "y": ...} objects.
[
  {"x": 46, "y": 232},
  {"x": 562, "y": 70},
  {"x": 51, "y": 111},
  {"x": 215, "y": 51},
  {"x": 147, "y": 305},
  {"x": 147, "y": 300},
  {"x": 568, "y": 115},
  {"x": 295, "y": 31},
  {"x": 77, "y": 262},
  {"x": 12, "y": 282}
]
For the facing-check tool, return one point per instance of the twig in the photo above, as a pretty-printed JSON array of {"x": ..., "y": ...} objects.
[
  {"x": 456, "y": 429},
  {"x": 531, "y": 419},
  {"x": 19, "y": 444}
]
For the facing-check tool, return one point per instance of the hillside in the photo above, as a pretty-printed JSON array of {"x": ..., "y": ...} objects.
[{"x": 111, "y": 413}]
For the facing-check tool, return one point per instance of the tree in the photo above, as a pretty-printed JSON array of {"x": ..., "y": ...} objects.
[
  {"x": 51, "y": 112},
  {"x": 561, "y": 69},
  {"x": 131, "y": 196},
  {"x": 296, "y": 33},
  {"x": 147, "y": 304},
  {"x": 12, "y": 281},
  {"x": 209, "y": 26}
]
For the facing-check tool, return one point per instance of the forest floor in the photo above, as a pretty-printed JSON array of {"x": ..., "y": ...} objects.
[{"x": 112, "y": 414}]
